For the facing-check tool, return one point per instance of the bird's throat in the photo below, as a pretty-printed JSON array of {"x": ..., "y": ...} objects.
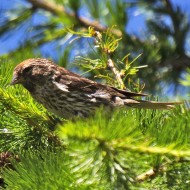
[{"x": 29, "y": 86}]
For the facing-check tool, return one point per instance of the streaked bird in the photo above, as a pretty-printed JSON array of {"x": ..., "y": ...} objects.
[{"x": 68, "y": 95}]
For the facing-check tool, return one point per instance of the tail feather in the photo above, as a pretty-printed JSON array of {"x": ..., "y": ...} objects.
[{"x": 150, "y": 104}]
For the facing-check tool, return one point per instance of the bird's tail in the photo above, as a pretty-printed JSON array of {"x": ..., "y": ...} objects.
[{"x": 150, "y": 104}]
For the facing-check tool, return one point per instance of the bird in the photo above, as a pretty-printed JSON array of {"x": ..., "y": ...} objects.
[{"x": 68, "y": 95}]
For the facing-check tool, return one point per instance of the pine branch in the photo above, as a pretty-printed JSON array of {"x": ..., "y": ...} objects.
[
  {"x": 38, "y": 124},
  {"x": 153, "y": 172},
  {"x": 146, "y": 148},
  {"x": 23, "y": 110},
  {"x": 125, "y": 138},
  {"x": 115, "y": 142},
  {"x": 60, "y": 10},
  {"x": 117, "y": 74}
]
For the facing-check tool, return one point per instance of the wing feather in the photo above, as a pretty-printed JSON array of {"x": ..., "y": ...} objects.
[{"x": 77, "y": 82}]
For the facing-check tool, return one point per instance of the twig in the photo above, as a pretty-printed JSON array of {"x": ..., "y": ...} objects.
[
  {"x": 148, "y": 174},
  {"x": 60, "y": 10},
  {"x": 153, "y": 172},
  {"x": 116, "y": 73}
]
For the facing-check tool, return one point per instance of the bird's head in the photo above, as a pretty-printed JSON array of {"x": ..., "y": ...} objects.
[{"x": 32, "y": 71}]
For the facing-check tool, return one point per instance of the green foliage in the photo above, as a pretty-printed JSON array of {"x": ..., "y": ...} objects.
[
  {"x": 162, "y": 44},
  {"x": 114, "y": 73},
  {"x": 110, "y": 151},
  {"x": 17, "y": 115},
  {"x": 14, "y": 20},
  {"x": 126, "y": 149},
  {"x": 44, "y": 170},
  {"x": 186, "y": 80},
  {"x": 107, "y": 151}
]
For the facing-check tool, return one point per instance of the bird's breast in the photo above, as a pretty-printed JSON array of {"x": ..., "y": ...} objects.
[{"x": 65, "y": 103}]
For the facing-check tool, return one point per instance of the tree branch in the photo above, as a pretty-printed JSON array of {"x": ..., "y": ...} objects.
[
  {"x": 117, "y": 74},
  {"x": 48, "y": 6},
  {"x": 60, "y": 10},
  {"x": 153, "y": 172}
]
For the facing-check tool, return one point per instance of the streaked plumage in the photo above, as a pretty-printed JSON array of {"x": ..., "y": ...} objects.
[{"x": 68, "y": 94}]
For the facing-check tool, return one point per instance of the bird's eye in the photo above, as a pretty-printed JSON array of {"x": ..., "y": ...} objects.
[{"x": 27, "y": 69}]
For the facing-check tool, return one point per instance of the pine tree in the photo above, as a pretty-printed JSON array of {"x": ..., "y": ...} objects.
[
  {"x": 162, "y": 44},
  {"x": 127, "y": 149}
]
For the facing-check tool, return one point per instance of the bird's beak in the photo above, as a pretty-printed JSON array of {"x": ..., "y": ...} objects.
[{"x": 15, "y": 80}]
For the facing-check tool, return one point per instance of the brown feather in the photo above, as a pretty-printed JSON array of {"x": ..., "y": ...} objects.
[
  {"x": 150, "y": 104},
  {"x": 68, "y": 94},
  {"x": 128, "y": 93}
]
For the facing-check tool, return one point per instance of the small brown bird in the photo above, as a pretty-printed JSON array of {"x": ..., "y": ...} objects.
[{"x": 67, "y": 94}]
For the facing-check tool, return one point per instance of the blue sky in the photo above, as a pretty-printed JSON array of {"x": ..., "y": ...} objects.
[{"x": 135, "y": 26}]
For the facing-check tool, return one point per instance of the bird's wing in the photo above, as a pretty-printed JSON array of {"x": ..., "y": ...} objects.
[
  {"x": 77, "y": 82},
  {"x": 128, "y": 93}
]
